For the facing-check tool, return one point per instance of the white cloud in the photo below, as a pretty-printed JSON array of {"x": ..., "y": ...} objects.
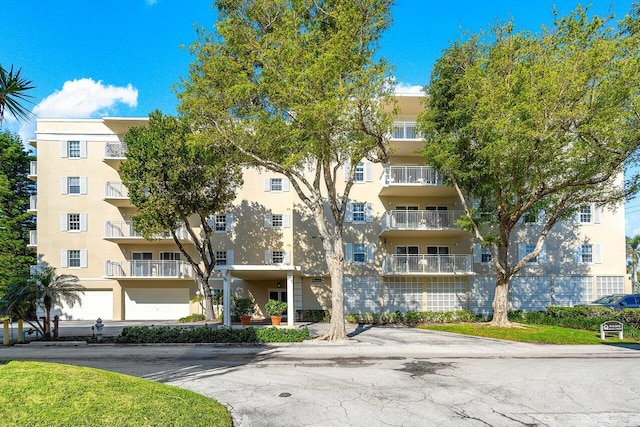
[
  {"x": 407, "y": 89},
  {"x": 85, "y": 98},
  {"x": 82, "y": 98}
]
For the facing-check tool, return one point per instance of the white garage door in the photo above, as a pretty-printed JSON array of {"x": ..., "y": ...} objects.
[
  {"x": 94, "y": 304},
  {"x": 156, "y": 304}
]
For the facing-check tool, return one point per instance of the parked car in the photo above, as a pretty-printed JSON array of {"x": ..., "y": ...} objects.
[{"x": 616, "y": 301}]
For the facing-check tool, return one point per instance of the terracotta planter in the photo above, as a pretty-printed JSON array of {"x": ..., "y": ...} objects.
[
  {"x": 275, "y": 320},
  {"x": 245, "y": 320}
]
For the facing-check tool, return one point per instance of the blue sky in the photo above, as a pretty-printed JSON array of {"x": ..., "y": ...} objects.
[{"x": 90, "y": 58}]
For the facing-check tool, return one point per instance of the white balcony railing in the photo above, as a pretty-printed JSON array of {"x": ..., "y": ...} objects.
[
  {"x": 33, "y": 168},
  {"x": 33, "y": 203},
  {"x": 405, "y": 130},
  {"x": 410, "y": 175},
  {"x": 125, "y": 229},
  {"x": 115, "y": 190},
  {"x": 428, "y": 264},
  {"x": 33, "y": 238},
  {"x": 149, "y": 268},
  {"x": 420, "y": 220},
  {"x": 115, "y": 150}
]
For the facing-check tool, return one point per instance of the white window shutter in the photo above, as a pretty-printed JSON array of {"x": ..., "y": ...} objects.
[
  {"x": 347, "y": 169},
  {"x": 370, "y": 253},
  {"x": 64, "y": 261},
  {"x": 286, "y": 221},
  {"x": 267, "y": 220},
  {"x": 230, "y": 257},
  {"x": 63, "y": 149},
  {"x": 83, "y": 222},
  {"x": 368, "y": 172},
  {"x": 83, "y": 149},
  {"x": 267, "y": 184},
  {"x": 267, "y": 257},
  {"x": 522, "y": 250},
  {"x": 287, "y": 257},
  {"x": 477, "y": 253},
  {"x": 83, "y": 258},
  {"x": 348, "y": 215},
  {"x": 348, "y": 253},
  {"x": 83, "y": 185},
  {"x": 542, "y": 256},
  {"x": 229, "y": 222},
  {"x": 64, "y": 188},
  {"x": 63, "y": 221},
  {"x": 211, "y": 222},
  {"x": 596, "y": 214},
  {"x": 542, "y": 216},
  {"x": 285, "y": 184},
  {"x": 597, "y": 255},
  {"x": 369, "y": 212}
]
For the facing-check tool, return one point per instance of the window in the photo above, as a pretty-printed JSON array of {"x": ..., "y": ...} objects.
[
  {"x": 358, "y": 210},
  {"x": 220, "y": 223},
  {"x": 359, "y": 252},
  {"x": 528, "y": 249},
  {"x": 437, "y": 250},
  {"x": 531, "y": 217},
  {"x": 276, "y": 184},
  {"x": 221, "y": 257},
  {"x": 74, "y": 185},
  {"x": 359, "y": 175},
  {"x": 74, "y": 258},
  {"x": 170, "y": 256},
  {"x": 277, "y": 257},
  {"x": 73, "y": 220},
  {"x": 276, "y": 220},
  {"x": 74, "y": 149},
  {"x": 584, "y": 214},
  {"x": 485, "y": 255},
  {"x": 586, "y": 253}
]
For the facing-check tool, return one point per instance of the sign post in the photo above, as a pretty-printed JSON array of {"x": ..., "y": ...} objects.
[{"x": 611, "y": 327}]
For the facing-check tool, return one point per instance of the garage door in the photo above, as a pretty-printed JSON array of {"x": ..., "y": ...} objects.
[
  {"x": 156, "y": 304},
  {"x": 94, "y": 304}
]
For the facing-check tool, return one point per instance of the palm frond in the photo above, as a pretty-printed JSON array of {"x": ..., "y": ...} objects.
[{"x": 13, "y": 94}]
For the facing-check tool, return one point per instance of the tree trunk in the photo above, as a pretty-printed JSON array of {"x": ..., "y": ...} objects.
[
  {"x": 501, "y": 302},
  {"x": 208, "y": 298},
  {"x": 337, "y": 329},
  {"x": 47, "y": 321}
]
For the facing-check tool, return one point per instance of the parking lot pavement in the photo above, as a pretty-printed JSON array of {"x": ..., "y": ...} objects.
[{"x": 387, "y": 376}]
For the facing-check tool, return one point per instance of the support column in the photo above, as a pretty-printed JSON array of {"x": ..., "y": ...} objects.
[
  {"x": 226, "y": 298},
  {"x": 290, "y": 307}
]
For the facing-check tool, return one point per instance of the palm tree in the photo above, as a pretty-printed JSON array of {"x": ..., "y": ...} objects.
[
  {"x": 633, "y": 255},
  {"x": 54, "y": 289},
  {"x": 13, "y": 88}
]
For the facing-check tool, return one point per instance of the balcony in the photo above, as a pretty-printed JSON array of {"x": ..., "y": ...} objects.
[
  {"x": 33, "y": 205},
  {"x": 428, "y": 264},
  {"x": 123, "y": 232},
  {"x": 115, "y": 153},
  {"x": 33, "y": 239},
  {"x": 149, "y": 269},
  {"x": 33, "y": 171},
  {"x": 405, "y": 139},
  {"x": 421, "y": 223},
  {"x": 413, "y": 181},
  {"x": 117, "y": 194}
]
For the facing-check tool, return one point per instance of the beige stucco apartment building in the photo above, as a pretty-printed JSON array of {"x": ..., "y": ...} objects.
[{"x": 403, "y": 249}]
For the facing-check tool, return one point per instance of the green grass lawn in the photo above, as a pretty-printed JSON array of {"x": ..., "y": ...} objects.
[
  {"x": 51, "y": 394},
  {"x": 528, "y": 333}
]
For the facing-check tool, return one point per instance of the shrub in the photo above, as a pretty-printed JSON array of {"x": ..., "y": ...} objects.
[
  {"x": 314, "y": 315},
  {"x": 206, "y": 334},
  {"x": 192, "y": 318}
]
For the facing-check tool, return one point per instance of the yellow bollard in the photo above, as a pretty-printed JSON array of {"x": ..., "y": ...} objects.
[
  {"x": 6, "y": 333},
  {"x": 19, "y": 331}
]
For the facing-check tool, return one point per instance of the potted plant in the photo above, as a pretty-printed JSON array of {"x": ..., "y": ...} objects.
[
  {"x": 275, "y": 309},
  {"x": 243, "y": 308}
]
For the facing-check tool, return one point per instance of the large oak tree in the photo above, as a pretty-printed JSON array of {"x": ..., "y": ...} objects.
[
  {"x": 294, "y": 85},
  {"x": 527, "y": 123}
]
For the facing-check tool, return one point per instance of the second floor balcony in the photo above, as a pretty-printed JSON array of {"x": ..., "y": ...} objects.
[
  {"x": 117, "y": 194},
  {"x": 33, "y": 205},
  {"x": 423, "y": 264},
  {"x": 124, "y": 232},
  {"x": 114, "y": 153},
  {"x": 427, "y": 222},
  {"x": 149, "y": 269},
  {"x": 409, "y": 180}
]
